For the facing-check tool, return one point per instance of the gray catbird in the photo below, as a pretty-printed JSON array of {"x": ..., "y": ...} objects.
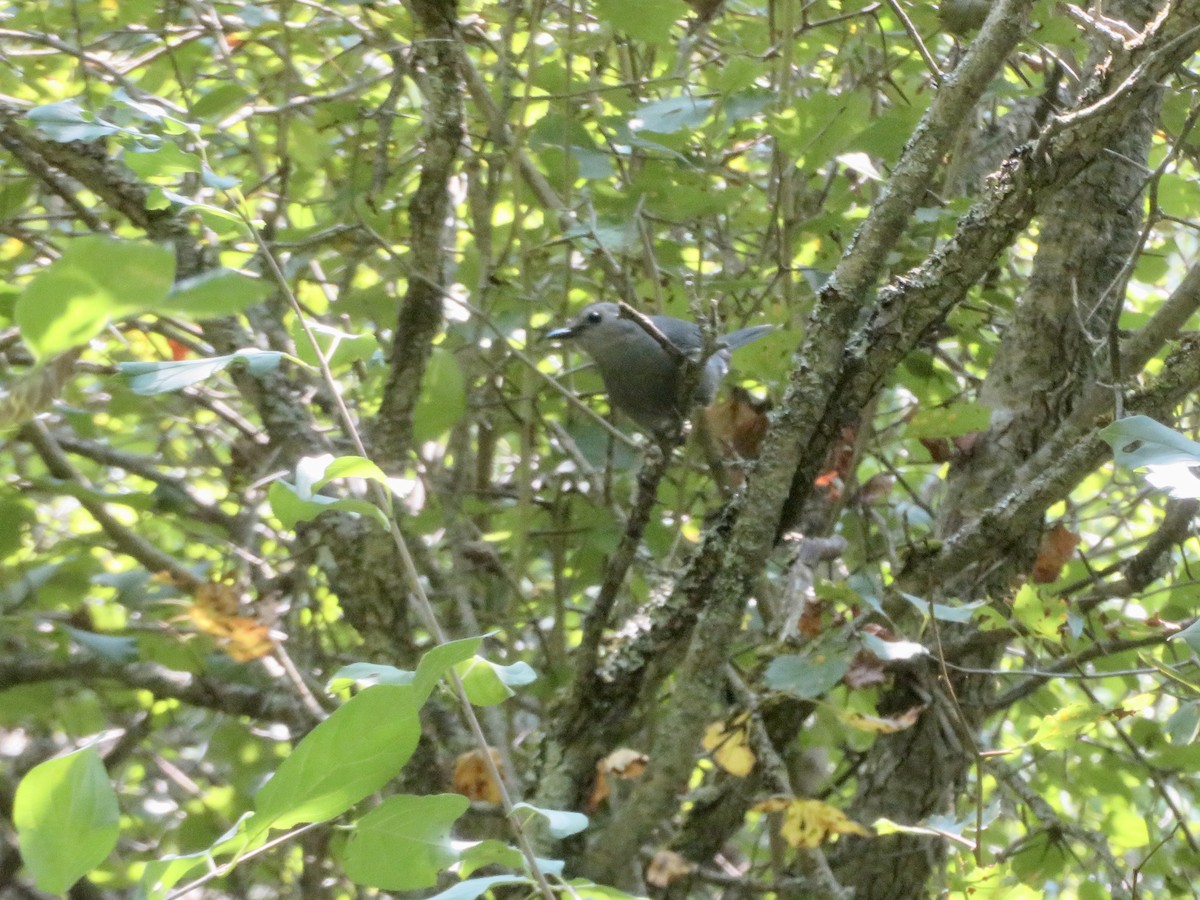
[{"x": 641, "y": 377}]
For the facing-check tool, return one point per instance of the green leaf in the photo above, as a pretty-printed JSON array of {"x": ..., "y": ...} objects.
[
  {"x": 1041, "y": 616},
  {"x": 952, "y": 420},
  {"x": 489, "y": 853},
  {"x": 404, "y": 843},
  {"x": 162, "y": 874},
  {"x": 649, "y": 22},
  {"x": 351, "y": 467},
  {"x": 439, "y": 660},
  {"x": 67, "y": 819},
  {"x": 366, "y": 674},
  {"x": 353, "y": 753},
  {"x": 560, "y": 823},
  {"x": 298, "y": 501},
  {"x": 443, "y": 398},
  {"x": 167, "y": 160},
  {"x": 488, "y": 684},
  {"x": 582, "y": 889},
  {"x": 339, "y": 348},
  {"x": 1060, "y": 730},
  {"x": 483, "y": 685},
  {"x": 148, "y": 378},
  {"x": 433, "y": 665},
  {"x": 220, "y": 100},
  {"x": 1141, "y": 442},
  {"x": 806, "y": 677},
  {"x": 97, "y": 279},
  {"x": 216, "y": 293}
]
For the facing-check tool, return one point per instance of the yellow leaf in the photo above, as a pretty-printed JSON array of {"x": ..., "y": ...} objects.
[
  {"x": 730, "y": 745},
  {"x": 809, "y": 823},
  {"x": 880, "y": 725}
]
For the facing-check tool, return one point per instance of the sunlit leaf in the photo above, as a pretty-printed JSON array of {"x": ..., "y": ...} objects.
[
  {"x": 404, "y": 843},
  {"x": 66, "y": 815}
]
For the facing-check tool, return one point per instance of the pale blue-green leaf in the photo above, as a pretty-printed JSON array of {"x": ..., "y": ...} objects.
[
  {"x": 114, "y": 648},
  {"x": 1168, "y": 457},
  {"x": 672, "y": 114},
  {"x": 1184, "y": 724},
  {"x": 147, "y": 378},
  {"x": 66, "y": 121},
  {"x": 473, "y": 888},
  {"x": 808, "y": 676},
  {"x": 889, "y": 651},
  {"x": 942, "y": 612},
  {"x": 561, "y": 823},
  {"x": 219, "y": 182},
  {"x": 1190, "y": 636}
]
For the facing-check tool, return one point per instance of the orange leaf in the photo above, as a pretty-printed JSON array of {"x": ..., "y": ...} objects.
[
  {"x": 1055, "y": 550},
  {"x": 246, "y": 639}
]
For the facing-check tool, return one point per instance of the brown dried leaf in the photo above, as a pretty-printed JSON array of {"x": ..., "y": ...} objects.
[
  {"x": 1053, "y": 553},
  {"x": 624, "y": 763},
  {"x": 865, "y": 670},
  {"x": 472, "y": 778},
  {"x": 666, "y": 868},
  {"x": 739, "y": 424}
]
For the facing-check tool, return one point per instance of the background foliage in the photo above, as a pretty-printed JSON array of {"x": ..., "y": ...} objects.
[{"x": 294, "y": 496}]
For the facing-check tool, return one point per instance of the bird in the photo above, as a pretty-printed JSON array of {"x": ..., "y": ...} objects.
[{"x": 641, "y": 377}]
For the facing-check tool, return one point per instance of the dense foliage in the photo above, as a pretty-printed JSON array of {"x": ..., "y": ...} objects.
[{"x": 324, "y": 575}]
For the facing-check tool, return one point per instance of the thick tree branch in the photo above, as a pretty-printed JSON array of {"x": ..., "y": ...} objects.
[
  {"x": 430, "y": 225},
  {"x": 256, "y": 702}
]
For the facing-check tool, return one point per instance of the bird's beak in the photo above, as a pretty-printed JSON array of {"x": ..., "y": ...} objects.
[{"x": 561, "y": 334}]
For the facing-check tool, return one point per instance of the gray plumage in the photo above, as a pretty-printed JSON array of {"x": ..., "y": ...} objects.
[{"x": 641, "y": 377}]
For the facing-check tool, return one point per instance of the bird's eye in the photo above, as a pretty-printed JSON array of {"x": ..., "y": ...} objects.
[{"x": 595, "y": 317}]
